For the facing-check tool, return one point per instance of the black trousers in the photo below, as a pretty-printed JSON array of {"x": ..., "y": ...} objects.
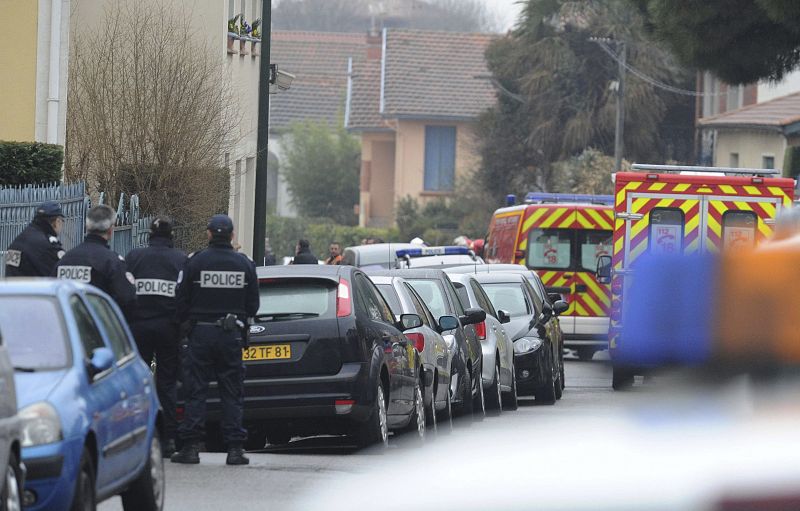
[
  {"x": 212, "y": 354},
  {"x": 160, "y": 337}
]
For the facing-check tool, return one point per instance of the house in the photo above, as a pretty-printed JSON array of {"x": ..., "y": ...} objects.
[
  {"x": 33, "y": 54},
  {"x": 414, "y": 99},
  {"x": 319, "y": 62},
  {"x": 757, "y": 135}
]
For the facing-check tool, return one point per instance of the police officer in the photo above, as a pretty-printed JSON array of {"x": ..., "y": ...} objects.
[
  {"x": 93, "y": 262},
  {"x": 156, "y": 268},
  {"x": 217, "y": 293},
  {"x": 35, "y": 252}
]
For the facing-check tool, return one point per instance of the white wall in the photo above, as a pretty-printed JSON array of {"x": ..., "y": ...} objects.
[
  {"x": 750, "y": 145},
  {"x": 43, "y": 70}
]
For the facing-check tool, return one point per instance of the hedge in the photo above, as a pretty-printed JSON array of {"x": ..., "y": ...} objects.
[
  {"x": 26, "y": 163},
  {"x": 791, "y": 162},
  {"x": 283, "y": 234}
]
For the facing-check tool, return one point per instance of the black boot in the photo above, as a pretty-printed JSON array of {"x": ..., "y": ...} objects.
[
  {"x": 188, "y": 455},
  {"x": 236, "y": 457},
  {"x": 168, "y": 448}
]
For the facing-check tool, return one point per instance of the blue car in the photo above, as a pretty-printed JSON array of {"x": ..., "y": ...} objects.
[{"x": 87, "y": 401}]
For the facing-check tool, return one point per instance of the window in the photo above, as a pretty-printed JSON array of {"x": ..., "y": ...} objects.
[
  {"x": 550, "y": 248},
  {"x": 666, "y": 231},
  {"x": 298, "y": 296},
  {"x": 432, "y": 294},
  {"x": 440, "y": 158},
  {"x": 373, "y": 302},
  {"x": 87, "y": 329},
  {"x": 109, "y": 321},
  {"x": 768, "y": 162},
  {"x": 423, "y": 313},
  {"x": 739, "y": 230},
  {"x": 508, "y": 296},
  {"x": 735, "y": 96},
  {"x": 483, "y": 300},
  {"x": 462, "y": 293},
  {"x": 390, "y": 295},
  {"x": 734, "y": 160},
  {"x": 538, "y": 303},
  {"x": 593, "y": 244},
  {"x": 33, "y": 332}
]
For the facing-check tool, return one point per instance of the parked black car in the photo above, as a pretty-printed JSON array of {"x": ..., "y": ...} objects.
[
  {"x": 534, "y": 330},
  {"x": 326, "y": 356},
  {"x": 436, "y": 289}
]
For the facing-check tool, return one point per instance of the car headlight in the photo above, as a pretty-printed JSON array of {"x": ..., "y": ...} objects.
[
  {"x": 40, "y": 424},
  {"x": 526, "y": 345}
]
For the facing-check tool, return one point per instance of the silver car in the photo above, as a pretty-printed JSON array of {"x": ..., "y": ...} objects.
[
  {"x": 499, "y": 383},
  {"x": 10, "y": 437},
  {"x": 435, "y": 351}
]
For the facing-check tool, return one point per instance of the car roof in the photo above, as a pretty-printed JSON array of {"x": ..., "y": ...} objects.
[
  {"x": 332, "y": 272},
  {"x": 389, "y": 248},
  {"x": 489, "y": 268},
  {"x": 494, "y": 278},
  {"x": 384, "y": 279},
  {"x": 39, "y": 286},
  {"x": 411, "y": 273}
]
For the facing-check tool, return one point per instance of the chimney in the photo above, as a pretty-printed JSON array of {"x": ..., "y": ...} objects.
[{"x": 374, "y": 44}]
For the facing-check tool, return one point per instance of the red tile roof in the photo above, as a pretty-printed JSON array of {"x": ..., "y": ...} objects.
[
  {"x": 319, "y": 61},
  {"x": 427, "y": 75},
  {"x": 776, "y": 114}
]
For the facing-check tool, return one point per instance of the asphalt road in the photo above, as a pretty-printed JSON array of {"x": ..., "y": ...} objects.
[{"x": 275, "y": 480}]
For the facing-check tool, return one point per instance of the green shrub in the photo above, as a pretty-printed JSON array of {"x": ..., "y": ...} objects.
[
  {"x": 26, "y": 163},
  {"x": 283, "y": 234},
  {"x": 791, "y": 162}
]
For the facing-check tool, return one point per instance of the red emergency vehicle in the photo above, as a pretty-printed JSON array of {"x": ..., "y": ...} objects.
[
  {"x": 560, "y": 236},
  {"x": 684, "y": 210}
]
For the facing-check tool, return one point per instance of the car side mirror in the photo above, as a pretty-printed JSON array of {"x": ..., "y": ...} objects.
[
  {"x": 604, "y": 269},
  {"x": 409, "y": 321},
  {"x": 554, "y": 297},
  {"x": 102, "y": 360},
  {"x": 503, "y": 316},
  {"x": 560, "y": 307},
  {"x": 547, "y": 313},
  {"x": 447, "y": 323},
  {"x": 473, "y": 316}
]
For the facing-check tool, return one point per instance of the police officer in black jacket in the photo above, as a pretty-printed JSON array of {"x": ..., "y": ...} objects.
[
  {"x": 35, "y": 252},
  {"x": 156, "y": 268},
  {"x": 217, "y": 295},
  {"x": 93, "y": 262}
]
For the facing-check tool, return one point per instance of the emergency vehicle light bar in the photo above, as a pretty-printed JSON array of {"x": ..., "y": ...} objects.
[
  {"x": 535, "y": 197},
  {"x": 432, "y": 251},
  {"x": 719, "y": 170}
]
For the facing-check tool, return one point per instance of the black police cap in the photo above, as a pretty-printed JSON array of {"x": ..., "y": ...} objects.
[
  {"x": 49, "y": 208},
  {"x": 220, "y": 224}
]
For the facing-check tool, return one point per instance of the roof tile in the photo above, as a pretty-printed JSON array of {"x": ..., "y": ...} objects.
[{"x": 776, "y": 113}]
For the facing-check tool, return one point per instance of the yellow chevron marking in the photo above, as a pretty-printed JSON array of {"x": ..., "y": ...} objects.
[
  {"x": 714, "y": 226},
  {"x": 555, "y": 215},
  {"x": 687, "y": 205},
  {"x": 638, "y": 204},
  {"x": 719, "y": 206},
  {"x": 620, "y": 198},
  {"x": 588, "y": 300},
  {"x": 599, "y": 220},
  {"x": 764, "y": 229},
  {"x": 523, "y": 244},
  {"x": 752, "y": 190},
  {"x": 655, "y": 187},
  {"x": 682, "y": 187},
  {"x": 536, "y": 215},
  {"x": 583, "y": 220},
  {"x": 580, "y": 310},
  {"x": 546, "y": 276},
  {"x": 602, "y": 294},
  {"x": 619, "y": 245},
  {"x": 664, "y": 203},
  {"x": 711, "y": 247},
  {"x": 776, "y": 191},
  {"x": 638, "y": 250},
  {"x": 728, "y": 189},
  {"x": 769, "y": 208},
  {"x": 692, "y": 224},
  {"x": 568, "y": 220},
  {"x": 743, "y": 206},
  {"x": 694, "y": 246}
]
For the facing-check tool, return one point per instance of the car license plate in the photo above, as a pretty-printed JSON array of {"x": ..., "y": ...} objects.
[{"x": 267, "y": 352}]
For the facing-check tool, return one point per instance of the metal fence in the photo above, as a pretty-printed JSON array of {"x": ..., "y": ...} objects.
[{"x": 18, "y": 206}]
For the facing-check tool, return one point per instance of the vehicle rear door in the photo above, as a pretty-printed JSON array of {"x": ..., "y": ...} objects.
[
  {"x": 398, "y": 352},
  {"x": 501, "y": 246},
  {"x": 738, "y": 223},
  {"x": 296, "y": 331}
]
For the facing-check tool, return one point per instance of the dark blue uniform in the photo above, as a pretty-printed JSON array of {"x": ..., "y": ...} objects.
[
  {"x": 216, "y": 282},
  {"x": 35, "y": 252},
  {"x": 156, "y": 269},
  {"x": 93, "y": 262}
]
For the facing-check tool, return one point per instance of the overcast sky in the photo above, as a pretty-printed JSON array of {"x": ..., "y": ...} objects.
[{"x": 507, "y": 11}]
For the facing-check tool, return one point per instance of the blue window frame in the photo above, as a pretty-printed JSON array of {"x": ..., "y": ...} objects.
[{"x": 440, "y": 158}]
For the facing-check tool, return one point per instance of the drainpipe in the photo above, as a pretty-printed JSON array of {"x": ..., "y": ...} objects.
[{"x": 54, "y": 74}]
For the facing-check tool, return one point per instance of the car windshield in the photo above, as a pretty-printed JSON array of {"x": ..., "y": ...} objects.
[
  {"x": 508, "y": 296},
  {"x": 438, "y": 260},
  {"x": 33, "y": 331},
  {"x": 297, "y": 296},
  {"x": 432, "y": 294},
  {"x": 391, "y": 297}
]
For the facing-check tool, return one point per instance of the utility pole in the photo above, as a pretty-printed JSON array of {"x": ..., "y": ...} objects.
[
  {"x": 262, "y": 144},
  {"x": 619, "y": 136}
]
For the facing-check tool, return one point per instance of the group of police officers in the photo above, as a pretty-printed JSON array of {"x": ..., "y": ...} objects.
[{"x": 207, "y": 298}]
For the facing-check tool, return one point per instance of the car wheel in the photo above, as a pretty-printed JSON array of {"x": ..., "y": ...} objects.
[
  {"x": 466, "y": 407},
  {"x": 147, "y": 491},
  {"x": 376, "y": 428},
  {"x": 12, "y": 490},
  {"x": 446, "y": 415},
  {"x": 479, "y": 406},
  {"x": 559, "y": 386},
  {"x": 510, "y": 399},
  {"x": 416, "y": 424},
  {"x": 83, "y": 499},
  {"x": 278, "y": 437},
  {"x": 256, "y": 439},
  {"x": 494, "y": 398},
  {"x": 586, "y": 353},
  {"x": 622, "y": 379},
  {"x": 546, "y": 393}
]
